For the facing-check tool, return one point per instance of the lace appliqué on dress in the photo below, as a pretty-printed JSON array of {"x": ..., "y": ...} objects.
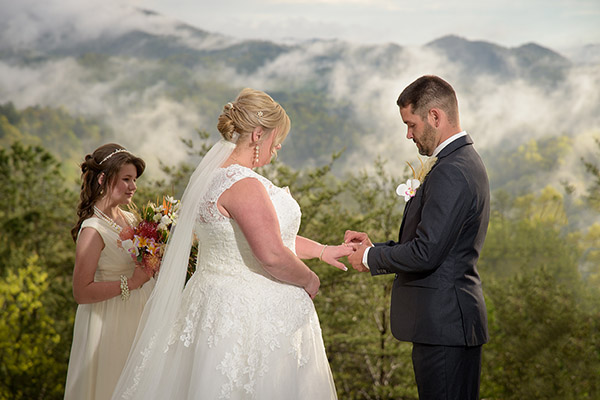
[
  {"x": 223, "y": 179},
  {"x": 250, "y": 332},
  {"x": 139, "y": 369}
]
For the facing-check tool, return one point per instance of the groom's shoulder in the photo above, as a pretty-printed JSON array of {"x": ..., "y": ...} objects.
[
  {"x": 463, "y": 162},
  {"x": 460, "y": 153}
]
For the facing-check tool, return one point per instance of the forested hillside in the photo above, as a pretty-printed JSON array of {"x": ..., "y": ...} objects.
[{"x": 541, "y": 277}]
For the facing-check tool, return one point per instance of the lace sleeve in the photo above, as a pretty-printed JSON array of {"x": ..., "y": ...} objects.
[{"x": 223, "y": 179}]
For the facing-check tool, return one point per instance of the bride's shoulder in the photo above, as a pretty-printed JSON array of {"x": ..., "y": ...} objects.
[
  {"x": 226, "y": 177},
  {"x": 236, "y": 170},
  {"x": 234, "y": 173}
]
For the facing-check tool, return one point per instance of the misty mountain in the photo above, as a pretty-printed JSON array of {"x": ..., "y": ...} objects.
[
  {"x": 530, "y": 62},
  {"x": 152, "y": 80},
  {"x": 588, "y": 54},
  {"x": 188, "y": 46},
  {"x": 191, "y": 46}
]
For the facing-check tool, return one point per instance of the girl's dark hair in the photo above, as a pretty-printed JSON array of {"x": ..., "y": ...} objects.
[{"x": 108, "y": 160}]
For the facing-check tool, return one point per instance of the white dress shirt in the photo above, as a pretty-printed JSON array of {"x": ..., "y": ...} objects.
[{"x": 437, "y": 151}]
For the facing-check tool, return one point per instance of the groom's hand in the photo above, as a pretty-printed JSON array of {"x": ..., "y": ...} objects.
[
  {"x": 355, "y": 259},
  {"x": 355, "y": 237}
]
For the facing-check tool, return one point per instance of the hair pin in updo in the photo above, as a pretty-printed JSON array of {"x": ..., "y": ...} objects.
[
  {"x": 259, "y": 114},
  {"x": 113, "y": 153},
  {"x": 231, "y": 107}
]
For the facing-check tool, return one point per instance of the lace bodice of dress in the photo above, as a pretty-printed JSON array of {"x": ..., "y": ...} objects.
[{"x": 222, "y": 244}]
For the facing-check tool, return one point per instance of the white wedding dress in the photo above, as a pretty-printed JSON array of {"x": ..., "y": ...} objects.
[{"x": 239, "y": 333}]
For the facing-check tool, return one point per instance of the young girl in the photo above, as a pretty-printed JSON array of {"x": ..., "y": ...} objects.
[{"x": 110, "y": 290}]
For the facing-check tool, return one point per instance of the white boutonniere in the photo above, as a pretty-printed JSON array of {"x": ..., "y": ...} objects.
[{"x": 409, "y": 189}]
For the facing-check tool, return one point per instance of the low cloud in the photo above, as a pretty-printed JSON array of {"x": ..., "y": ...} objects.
[
  {"x": 145, "y": 120},
  {"x": 51, "y": 24},
  {"x": 496, "y": 113}
]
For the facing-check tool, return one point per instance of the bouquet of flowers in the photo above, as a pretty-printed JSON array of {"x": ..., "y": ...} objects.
[{"x": 146, "y": 241}]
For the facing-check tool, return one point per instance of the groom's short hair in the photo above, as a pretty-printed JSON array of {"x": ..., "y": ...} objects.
[{"x": 427, "y": 92}]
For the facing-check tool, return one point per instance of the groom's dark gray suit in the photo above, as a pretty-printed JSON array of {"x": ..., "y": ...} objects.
[{"x": 437, "y": 297}]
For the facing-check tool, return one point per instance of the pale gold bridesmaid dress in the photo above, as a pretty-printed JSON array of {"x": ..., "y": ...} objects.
[{"x": 104, "y": 331}]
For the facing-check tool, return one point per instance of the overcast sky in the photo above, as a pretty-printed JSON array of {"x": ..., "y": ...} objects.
[{"x": 553, "y": 23}]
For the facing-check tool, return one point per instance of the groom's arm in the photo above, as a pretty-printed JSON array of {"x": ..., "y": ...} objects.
[{"x": 447, "y": 201}]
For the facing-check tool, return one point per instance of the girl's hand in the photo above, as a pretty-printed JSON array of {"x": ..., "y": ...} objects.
[{"x": 138, "y": 278}]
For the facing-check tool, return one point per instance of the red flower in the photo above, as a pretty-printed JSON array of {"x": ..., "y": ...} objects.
[{"x": 148, "y": 230}]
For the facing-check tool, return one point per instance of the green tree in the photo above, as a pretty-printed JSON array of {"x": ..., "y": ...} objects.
[
  {"x": 594, "y": 187},
  {"x": 520, "y": 170},
  {"x": 529, "y": 231},
  {"x": 544, "y": 340},
  {"x": 175, "y": 177},
  {"x": 590, "y": 258},
  {"x": 36, "y": 216},
  {"x": 29, "y": 340},
  {"x": 542, "y": 319},
  {"x": 38, "y": 208}
]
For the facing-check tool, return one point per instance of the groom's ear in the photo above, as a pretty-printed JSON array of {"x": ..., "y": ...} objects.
[{"x": 435, "y": 117}]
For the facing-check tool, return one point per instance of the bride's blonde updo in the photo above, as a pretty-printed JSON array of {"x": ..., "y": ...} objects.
[{"x": 253, "y": 108}]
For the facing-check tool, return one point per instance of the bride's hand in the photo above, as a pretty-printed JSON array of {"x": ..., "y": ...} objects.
[
  {"x": 331, "y": 255},
  {"x": 312, "y": 287}
]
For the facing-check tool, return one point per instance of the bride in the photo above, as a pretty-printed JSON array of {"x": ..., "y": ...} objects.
[{"x": 244, "y": 326}]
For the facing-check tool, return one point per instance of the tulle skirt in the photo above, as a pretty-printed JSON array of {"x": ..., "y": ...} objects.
[{"x": 234, "y": 339}]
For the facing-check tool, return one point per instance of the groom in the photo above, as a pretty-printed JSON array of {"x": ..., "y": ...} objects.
[{"x": 437, "y": 301}]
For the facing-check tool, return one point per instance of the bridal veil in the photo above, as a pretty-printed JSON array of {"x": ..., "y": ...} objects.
[{"x": 145, "y": 363}]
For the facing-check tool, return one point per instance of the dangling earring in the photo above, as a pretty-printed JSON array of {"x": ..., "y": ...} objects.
[{"x": 256, "y": 153}]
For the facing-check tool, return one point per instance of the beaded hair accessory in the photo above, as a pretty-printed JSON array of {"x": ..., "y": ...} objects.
[{"x": 112, "y": 154}]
